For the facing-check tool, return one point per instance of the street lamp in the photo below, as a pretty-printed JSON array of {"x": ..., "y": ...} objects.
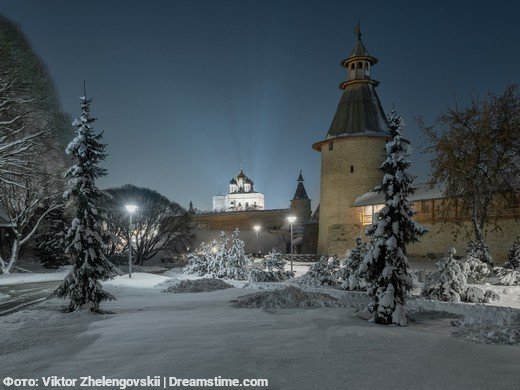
[
  {"x": 131, "y": 208},
  {"x": 257, "y": 230},
  {"x": 291, "y": 219}
]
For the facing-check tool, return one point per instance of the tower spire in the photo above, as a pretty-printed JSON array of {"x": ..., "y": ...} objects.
[
  {"x": 357, "y": 31},
  {"x": 300, "y": 189}
]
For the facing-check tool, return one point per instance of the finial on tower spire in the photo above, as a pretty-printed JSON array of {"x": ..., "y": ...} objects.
[{"x": 357, "y": 31}]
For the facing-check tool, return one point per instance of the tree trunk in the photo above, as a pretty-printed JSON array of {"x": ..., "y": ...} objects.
[{"x": 15, "y": 249}]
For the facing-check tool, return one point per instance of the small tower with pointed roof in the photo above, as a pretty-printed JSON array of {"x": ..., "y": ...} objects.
[
  {"x": 300, "y": 203},
  {"x": 351, "y": 153}
]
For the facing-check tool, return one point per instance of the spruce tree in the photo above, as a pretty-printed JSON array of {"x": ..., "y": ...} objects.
[
  {"x": 85, "y": 238},
  {"x": 274, "y": 261},
  {"x": 388, "y": 273},
  {"x": 234, "y": 266},
  {"x": 448, "y": 283},
  {"x": 349, "y": 274},
  {"x": 50, "y": 242}
]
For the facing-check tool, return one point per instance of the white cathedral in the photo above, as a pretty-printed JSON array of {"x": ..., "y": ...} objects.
[{"x": 241, "y": 196}]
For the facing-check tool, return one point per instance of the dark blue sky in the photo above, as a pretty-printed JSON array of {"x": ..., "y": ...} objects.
[{"x": 186, "y": 91}]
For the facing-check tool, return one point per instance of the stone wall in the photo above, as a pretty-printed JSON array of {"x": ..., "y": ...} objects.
[{"x": 243, "y": 220}]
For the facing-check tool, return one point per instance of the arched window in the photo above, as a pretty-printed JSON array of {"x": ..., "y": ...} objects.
[
  {"x": 360, "y": 65},
  {"x": 352, "y": 66},
  {"x": 366, "y": 65}
]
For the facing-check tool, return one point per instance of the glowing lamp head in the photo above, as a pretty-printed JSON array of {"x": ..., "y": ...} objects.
[
  {"x": 131, "y": 208},
  {"x": 291, "y": 219},
  {"x": 214, "y": 249},
  {"x": 257, "y": 228}
]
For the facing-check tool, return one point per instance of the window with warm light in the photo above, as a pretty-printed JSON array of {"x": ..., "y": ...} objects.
[{"x": 368, "y": 213}]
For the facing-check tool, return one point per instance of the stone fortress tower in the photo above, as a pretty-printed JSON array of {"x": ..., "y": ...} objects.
[
  {"x": 300, "y": 203},
  {"x": 351, "y": 153}
]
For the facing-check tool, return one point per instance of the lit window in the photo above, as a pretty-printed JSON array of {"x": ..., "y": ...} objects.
[{"x": 368, "y": 213}]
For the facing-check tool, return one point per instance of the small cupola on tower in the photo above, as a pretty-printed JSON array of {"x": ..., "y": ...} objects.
[
  {"x": 358, "y": 63},
  {"x": 359, "y": 111}
]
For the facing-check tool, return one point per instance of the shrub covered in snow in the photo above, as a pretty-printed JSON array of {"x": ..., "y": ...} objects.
[
  {"x": 448, "y": 283},
  {"x": 480, "y": 251},
  {"x": 323, "y": 272},
  {"x": 513, "y": 256},
  {"x": 286, "y": 298},
  {"x": 274, "y": 269},
  {"x": 349, "y": 274},
  {"x": 386, "y": 266},
  {"x": 223, "y": 259},
  {"x": 478, "y": 295},
  {"x": 507, "y": 276},
  {"x": 274, "y": 261},
  {"x": 476, "y": 271},
  {"x": 260, "y": 275},
  {"x": 202, "y": 261},
  {"x": 194, "y": 286}
]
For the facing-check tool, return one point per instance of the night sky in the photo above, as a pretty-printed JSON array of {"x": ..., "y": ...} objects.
[{"x": 187, "y": 91}]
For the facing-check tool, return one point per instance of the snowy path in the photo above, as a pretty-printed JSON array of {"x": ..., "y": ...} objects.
[
  {"x": 19, "y": 296},
  {"x": 202, "y": 336}
]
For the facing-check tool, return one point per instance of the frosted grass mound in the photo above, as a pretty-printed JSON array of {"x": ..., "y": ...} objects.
[
  {"x": 286, "y": 298},
  {"x": 489, "y": 334},
  {"x": 194, "y": 286}
]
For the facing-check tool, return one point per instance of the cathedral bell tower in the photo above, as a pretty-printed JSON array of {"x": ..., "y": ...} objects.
[{"x": 351, "y": 153}]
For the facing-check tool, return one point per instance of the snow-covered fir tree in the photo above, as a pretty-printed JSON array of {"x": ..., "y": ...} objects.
[
  {"x": 509, "y": 275},
  {"x": 234, "y": 261},
  {"x": 223, "y": 259},
  {"x": 350, "y": 275},
  {"x": 476, "y": 271},
  {"x": 476, "y": 263},
  {"x": 448, "y": 283},
  {"x": 85, "y": 238},
  {"x": 50, "y": 242},
  {"x": 386, "y": 266},
  {"x": 480, "y": 250},
  {"x": 274, "y": 261},
  {"x": 217, "y": 262}
]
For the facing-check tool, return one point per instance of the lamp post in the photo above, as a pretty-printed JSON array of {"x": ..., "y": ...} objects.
[
  {"x": 257, "y": 230},
  {"x": 291, "y": 219},
  {"x": 131, "y": 208}
]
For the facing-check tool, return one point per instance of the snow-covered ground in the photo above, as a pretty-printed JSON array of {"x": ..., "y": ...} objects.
[
  {"x": 202, "y": 336},
  {"x": 30, "y": 277}
]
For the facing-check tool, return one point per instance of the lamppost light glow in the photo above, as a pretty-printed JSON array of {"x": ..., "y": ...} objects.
[
  {"x": 291, "y": 219},
  {"x": 257, "y": 228},
  {"x": 131, "y": 208}
]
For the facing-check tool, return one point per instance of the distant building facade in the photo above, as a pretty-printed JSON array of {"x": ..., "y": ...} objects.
[
  {"x": 238, "y": 210},
  {"x": 241, "y": 197}
]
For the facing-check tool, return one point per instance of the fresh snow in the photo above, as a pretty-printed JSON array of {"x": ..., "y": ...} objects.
[
  {"x": 19, "y": 278},
  {"x": 203, "y": 336}
]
